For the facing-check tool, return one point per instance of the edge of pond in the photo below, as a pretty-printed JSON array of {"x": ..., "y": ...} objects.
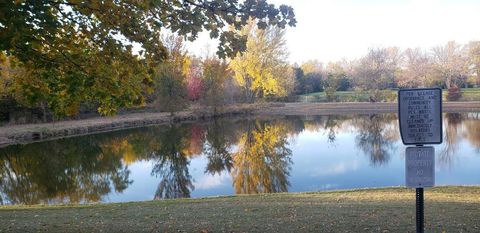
[
  {"x": 396, "y": 191},
  {"x": 23, "y": 134}
]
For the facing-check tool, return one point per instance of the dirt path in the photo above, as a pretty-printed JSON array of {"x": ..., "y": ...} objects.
[{"x": 17, "y": 134}]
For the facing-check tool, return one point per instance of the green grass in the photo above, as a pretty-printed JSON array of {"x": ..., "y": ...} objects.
[
  {"x": 450, "y": 209},
  {"x": 468, "y": 94}
]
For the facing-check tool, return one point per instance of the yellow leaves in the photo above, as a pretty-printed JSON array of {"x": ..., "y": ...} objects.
[
  {"x": 72, "y": 109},
  {"x": 259, "y": 68},
  {"x": 187, "y": 62}
]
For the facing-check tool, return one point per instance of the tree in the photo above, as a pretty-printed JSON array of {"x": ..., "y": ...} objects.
[
  {"x": 4, "y": 74},
  {"x": 170, "y": 78},
  {"x": 451, "y": 64},
  {"x": 417, "y": 69},
  {"x": 76, "y": 51},
  {"x": 337, "y": 80},
  {"x": 309, "y": 77},
  {"x": 262, "y": 70},
  {"x": 215, "y": 72},
  {"x": 312, "y": 66},
  {"x": 193, "y": 68},
  {"x": 299, "y": 79},
  {"x": 378, "y": 68},
  {"x": 474, "y": 59}
]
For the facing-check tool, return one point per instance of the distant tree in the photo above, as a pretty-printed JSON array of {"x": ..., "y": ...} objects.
[
  {"x": 215, "y": 72},
  {"x": 416, "y": 69},
  {"x": 336, "y": 80},
  {"x": 193, "y": 70},
  {"x": 312, "y": 66},
  {"x": 313, "y": 82},
  {"x": 337, "y": 77},
  {"x": 4, "y": 74},
  {"x": 299, "y": 80},
  {"x": 378, "y": 68},
  {"x": 451, "y": 64},
  {"x": 82, "y": 51},
  {"x": 171, "y": 87},
  {"x": 262, "y": 70},
  {"x": 308, "y": 77},
  {"x": 474, "y": 59}
]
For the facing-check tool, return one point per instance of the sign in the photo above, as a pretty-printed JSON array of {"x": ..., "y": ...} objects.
[
  {"x": 420, "y": 167},
  {"x": 420, "y": 116}
]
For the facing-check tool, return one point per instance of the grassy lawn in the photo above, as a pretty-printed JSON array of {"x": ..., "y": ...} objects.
[
  {"x": 468, "y": 94},
  {"x": 450, "y": 209}
]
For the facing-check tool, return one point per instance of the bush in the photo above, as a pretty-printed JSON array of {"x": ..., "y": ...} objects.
[
  {"x": 454, "y": 94},
  {"x": 330, "y": 94}
]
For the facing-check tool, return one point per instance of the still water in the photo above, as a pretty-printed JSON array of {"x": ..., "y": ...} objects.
[{"x": 231, "y": 156}]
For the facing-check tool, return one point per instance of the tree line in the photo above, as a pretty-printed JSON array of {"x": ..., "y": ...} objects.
[
  {"x": 62, "y": 58},
  {"x": 67, "y": 55},
  {"x": 451, "y": 66}
]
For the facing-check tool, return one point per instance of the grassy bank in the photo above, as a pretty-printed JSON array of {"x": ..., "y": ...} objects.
[
  {"x": 468, "y": 94},
  {"x": 450, "y": 209}
]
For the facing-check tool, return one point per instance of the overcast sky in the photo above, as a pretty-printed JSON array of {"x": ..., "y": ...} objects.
[{"x": 329, "y": 30}]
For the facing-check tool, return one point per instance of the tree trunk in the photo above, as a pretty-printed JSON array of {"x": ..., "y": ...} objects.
[{"x": 44, "y": 112}]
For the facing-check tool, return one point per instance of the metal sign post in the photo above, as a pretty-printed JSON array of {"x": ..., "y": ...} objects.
[
  {"x": 419, "y": 208},
  {"x": 420, "y": 119},
  {"x": 420, "y": 173}
]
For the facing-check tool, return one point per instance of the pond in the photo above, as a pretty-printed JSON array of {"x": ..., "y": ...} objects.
[{"x": 231, "y": 156}]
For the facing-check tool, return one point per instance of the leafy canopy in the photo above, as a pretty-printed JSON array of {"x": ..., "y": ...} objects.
[
  {"x": 74, "y": 51},
  {"x": 262, "y": 70}
]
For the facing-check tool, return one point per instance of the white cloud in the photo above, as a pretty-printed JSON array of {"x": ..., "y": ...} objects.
[
  {"x": 211, "y": 181},
  {"x": 336, "y": 169}
]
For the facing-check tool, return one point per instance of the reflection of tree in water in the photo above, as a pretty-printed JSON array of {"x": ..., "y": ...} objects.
[
  {"x": 70, "y": 170},
  {"x": 472, "y": 130},
  {"x": 172, "y": 164},
  {"x": 217, "y": 147},
  {"x": 376, "y": 136},
  {"x": 330, "y": 124},
  {"x": 262, "y": 160},
  {"x": 333, "y": 124},
  {"x": 452, "y": 123}
]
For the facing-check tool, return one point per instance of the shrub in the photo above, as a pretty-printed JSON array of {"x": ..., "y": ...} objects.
[{"x": 454, "y": 93}]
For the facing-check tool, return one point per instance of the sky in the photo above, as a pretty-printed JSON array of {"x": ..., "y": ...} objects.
[{"x": 331, "y": 30}]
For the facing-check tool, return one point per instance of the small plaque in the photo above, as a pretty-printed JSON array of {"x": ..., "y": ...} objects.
[
  {"x": 420, "y": 116},
  {"x": 420, "y": 167}
]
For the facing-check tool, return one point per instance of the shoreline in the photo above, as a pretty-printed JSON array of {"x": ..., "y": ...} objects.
[
  {"x": 366, "y": 210},
  {"x": 28, "y": 133}
]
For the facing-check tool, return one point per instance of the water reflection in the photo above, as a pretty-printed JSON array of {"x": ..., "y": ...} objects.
[
  {"x": 452, "y": 125},
  {"x": 63, "y": 171},
  {"x": 262, "y": 160},
  {"x": 376, "y": 136},
  {"x": 256, "y": 156},
  {"x": 217, "y": 147},
  {"x": 472, "y": 130}
]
